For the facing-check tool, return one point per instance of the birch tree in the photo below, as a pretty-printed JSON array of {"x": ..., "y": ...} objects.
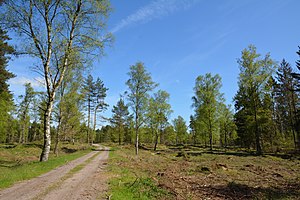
[
  {"x": 206, "y": 102},
  {"x": 180, "y": 130},
  {"x": 158, "y": 113},
  {"x": 54, "y": 32},
  {"x": 140, "y": 84}
]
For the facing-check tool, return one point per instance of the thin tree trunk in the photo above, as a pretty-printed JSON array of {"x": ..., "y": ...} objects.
[
  {"x": 89, "y": 119},
  {"x": 162, "y": 138},
  {"x": 136, "y": 130},
  {"x": 136, "y": 141},
  {"x": 296, "y": 124},
  {"x": 23, "y": 132},
  {"x": 95, "y": 123},
  {"x": 156, "y": 140},
  {"x": 33, "y": 134},
  {"x": 119, "y": 134},
  {"x": 57, "y": 136},
  {"x": 23, "y": 127},
  {"x": 47, "y": 130},
  {"x": 225, "y": 128},
  {"x": 257, "y": 134},
  {"x": 62, "y": 92},
  {"x": 210, "y": 134},
  {"x": 56, "y": 143},
  {"x": 298, "y": 136}
]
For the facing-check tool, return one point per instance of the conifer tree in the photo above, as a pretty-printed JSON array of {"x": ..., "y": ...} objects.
[
  {"x": 6, "y": 98},
  {"x": 120, "y": 119},
  {"x": 286, "y": 101},
  {"x": 254, "y": 75},
  {"x": 24, "y": 109}
]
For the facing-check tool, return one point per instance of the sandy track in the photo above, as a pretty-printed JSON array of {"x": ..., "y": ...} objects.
[{"x": 88, "y": 183}]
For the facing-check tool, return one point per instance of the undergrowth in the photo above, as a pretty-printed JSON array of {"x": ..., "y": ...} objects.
[{"x": 127, "y": 183}]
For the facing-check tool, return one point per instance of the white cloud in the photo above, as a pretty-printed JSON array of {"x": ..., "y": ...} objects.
[
  {"x": 21, "y": 80},
  {"x": 154, "y": 10}
]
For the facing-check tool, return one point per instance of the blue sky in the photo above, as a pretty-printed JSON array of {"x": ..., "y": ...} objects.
[{"x": 178, "y": 40}]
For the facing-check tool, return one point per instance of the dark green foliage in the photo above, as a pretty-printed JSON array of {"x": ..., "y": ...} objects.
[
  {"x": 286, "y": 102},
  {"x": 5, "y": 75},
  {"x": 6, "y": 101},
  {"x": 297, "y": 75},
  {"x": 297, "y": 114},
  {"x": 106, "y": 134},
  {"x": 255, "y": 73},
  {"x": 94, "y": 93},
  {"x": 121, "y": 120}
]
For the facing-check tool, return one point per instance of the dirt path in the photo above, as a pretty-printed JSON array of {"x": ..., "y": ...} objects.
[{"x": 88, "y": 183}]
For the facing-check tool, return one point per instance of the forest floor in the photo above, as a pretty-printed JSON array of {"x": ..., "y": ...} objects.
[
  {"x": 78, "y": 179},
  {"x": 178, "y": 172},
  {"x": 195, "y": 173}
]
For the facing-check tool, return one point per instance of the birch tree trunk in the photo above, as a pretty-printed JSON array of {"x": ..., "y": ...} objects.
[
  {"x": 136, "y": 135},
  {"x": 47, "y": 131}
]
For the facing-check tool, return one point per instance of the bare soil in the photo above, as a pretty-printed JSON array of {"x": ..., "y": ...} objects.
[{"x": 87, "y": 183}]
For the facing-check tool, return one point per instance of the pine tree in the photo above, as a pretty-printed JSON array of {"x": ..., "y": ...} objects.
[
  {"x": 88, "y": 92},
  {"x": 120, "y": 119},
  {"x": 98, "y": 97},
  {"x": 297, "y": 125},
  {"x": 287, "y": 100},
  {"x": 24, "y": 109},
  {"x": 6, "y": 98}
]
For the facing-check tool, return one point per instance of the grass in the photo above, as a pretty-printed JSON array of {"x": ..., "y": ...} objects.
[
  {"x": 205, "y": 175},
  {"x": 20, "y": 162},
  {"x": 128, "y": 182}
]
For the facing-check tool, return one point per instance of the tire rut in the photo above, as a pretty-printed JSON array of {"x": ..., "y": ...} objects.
[{"x": 33, "y": 188}]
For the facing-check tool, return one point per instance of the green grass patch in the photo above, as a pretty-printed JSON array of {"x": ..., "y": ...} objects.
[
  {"x": 131, "y": 183},
  {"x": 20, "y": 163},
  {"x": 80, "y": 167}
]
